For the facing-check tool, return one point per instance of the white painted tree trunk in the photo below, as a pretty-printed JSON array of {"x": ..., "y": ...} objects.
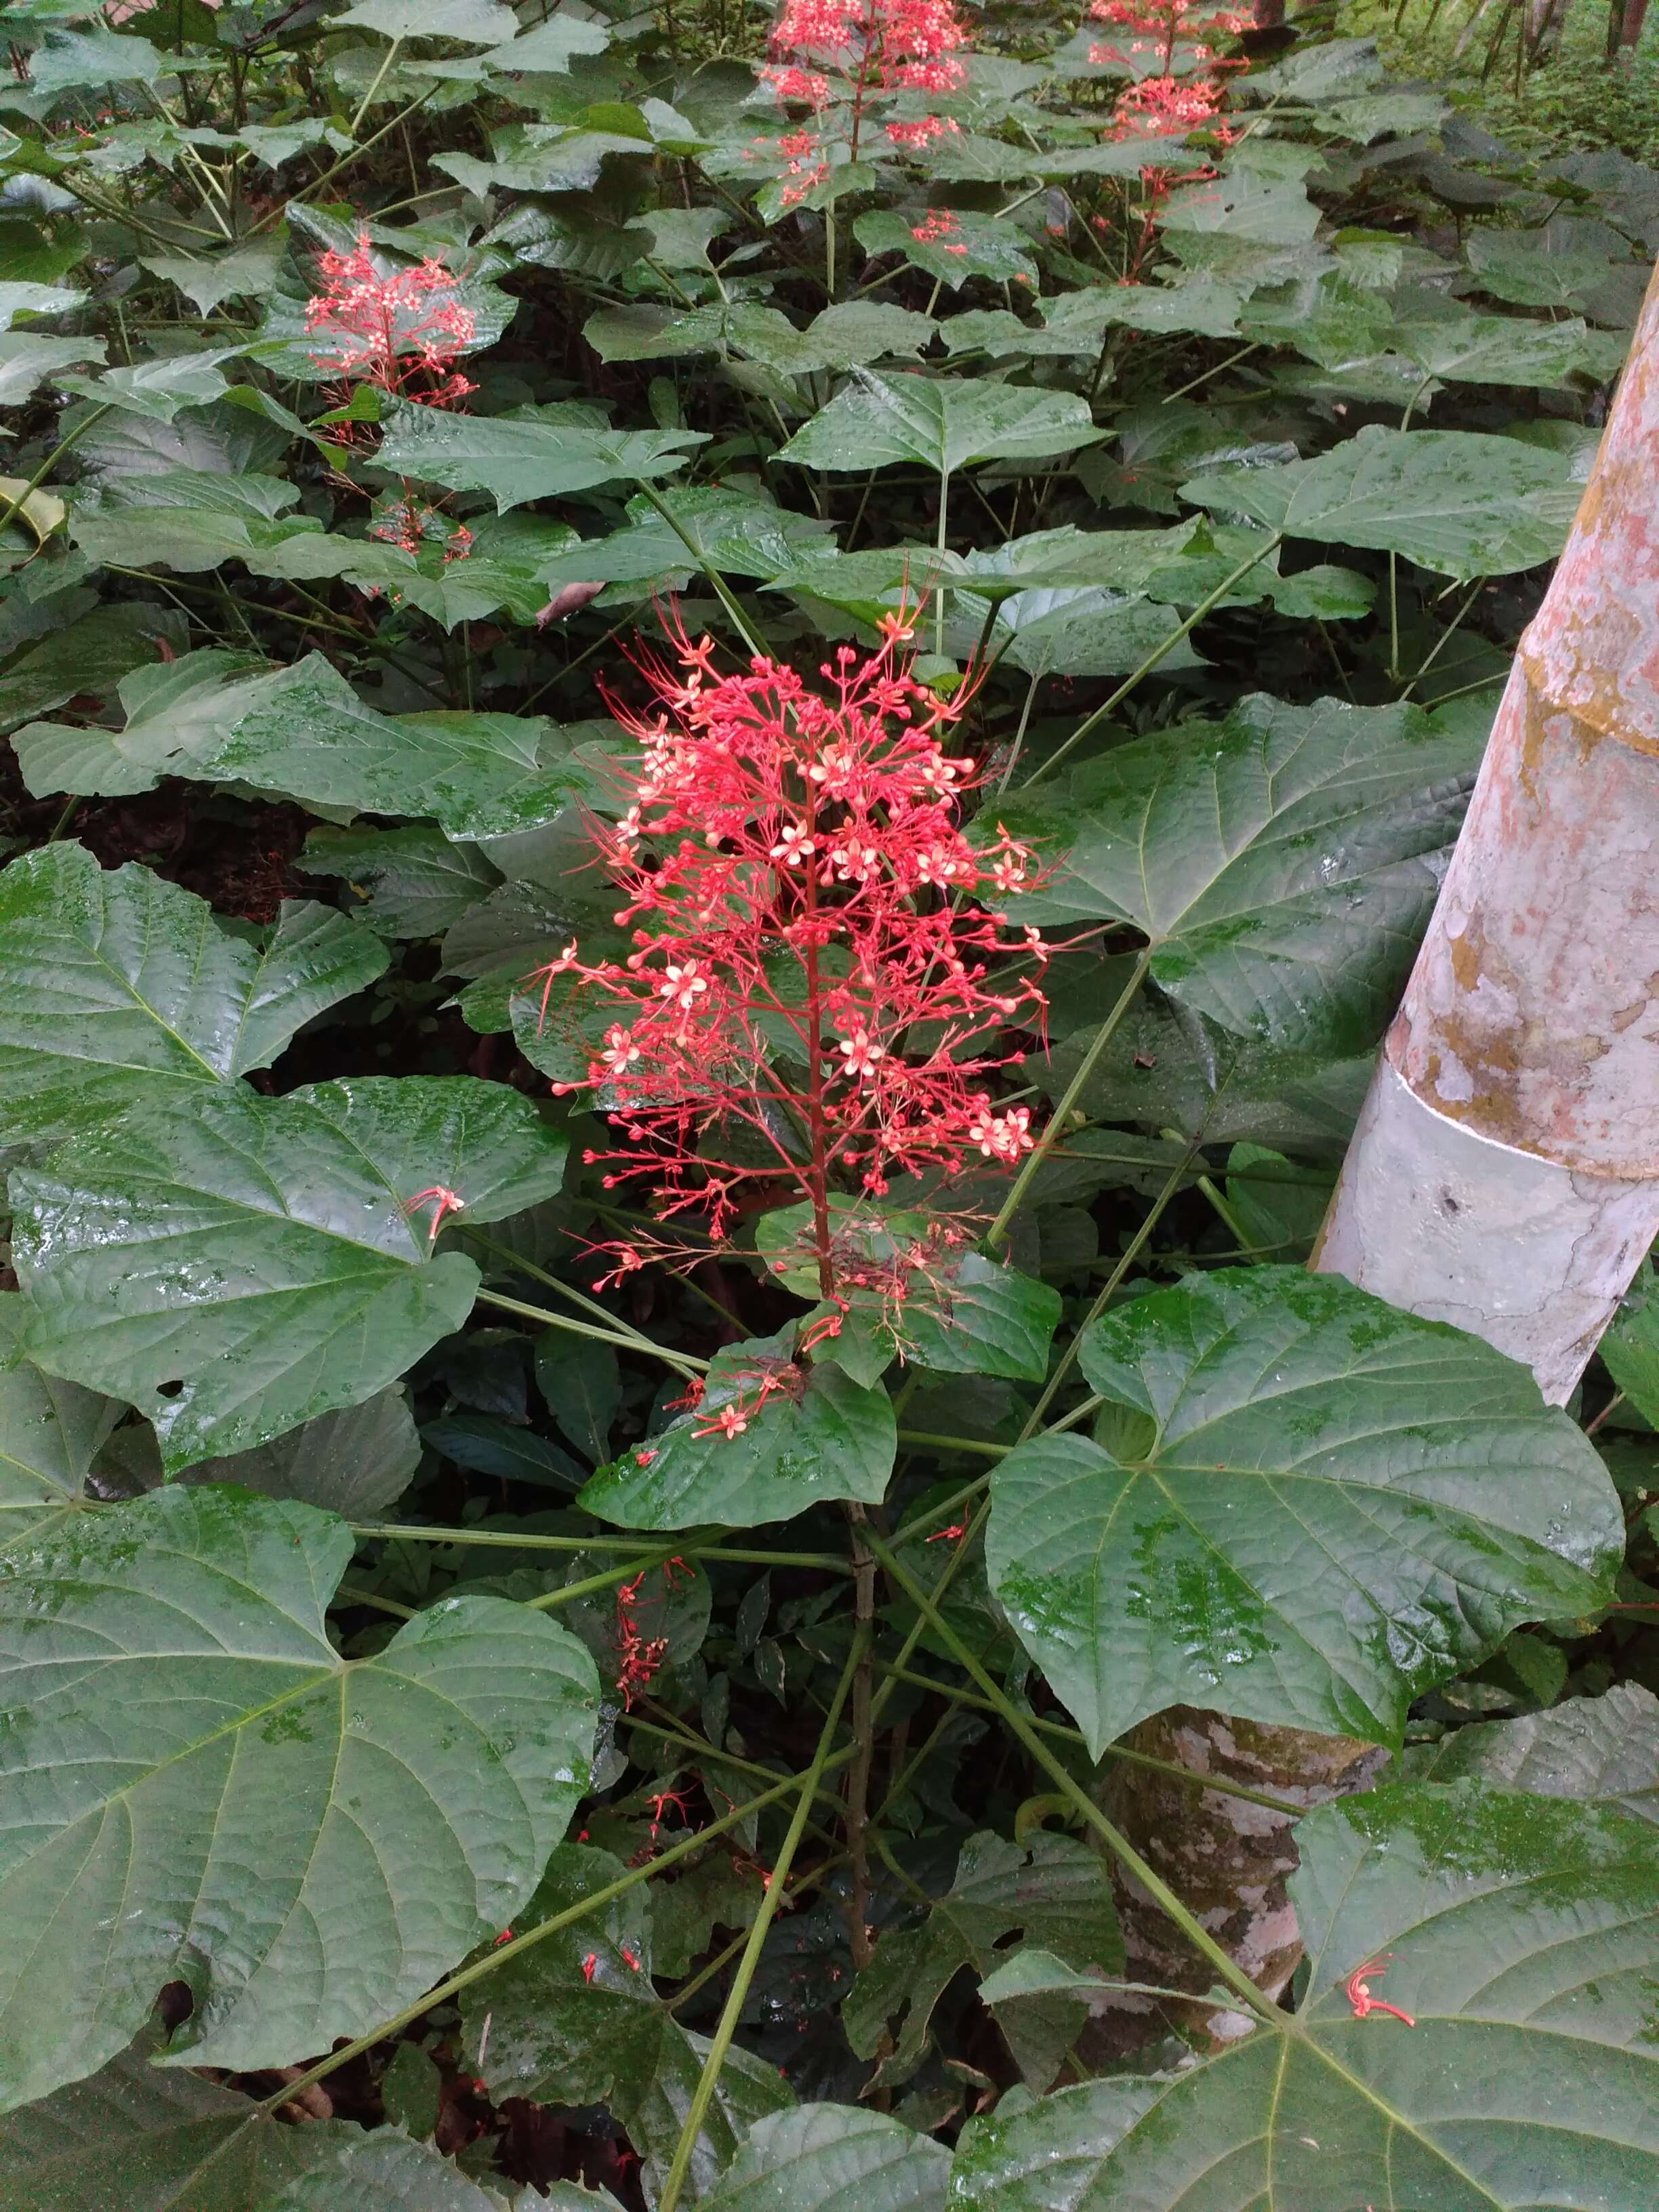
[{"x": 1505, "y": 1174}]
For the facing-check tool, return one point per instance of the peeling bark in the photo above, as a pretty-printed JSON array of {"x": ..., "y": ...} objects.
[
  {"x": 1505, "y": 1175},
  {"x": 1228, "y": 1861}
]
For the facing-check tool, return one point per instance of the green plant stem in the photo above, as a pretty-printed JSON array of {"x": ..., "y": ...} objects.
[
  {"x": 920, "y": 1440},
  {"x": 1187, "y": 1774},
  {"x": 344, "y": 161},
  {"x": 15, "y": 504},
  {"x": 722, "y": 2041},
  {"x": 1115, "y": 1842},
  {"x": 590, "y": 1585},
  {"x": 683, "y": 1361},
  {"x": 1211, "y": 599},
  {"x": 499, "y": 1955},
  {"x": 508, "y": 1540},
  {"x": 636, "y": 1337},
  {"x": 996, "y": 1237},
  {"x": 722, "y": 591}
]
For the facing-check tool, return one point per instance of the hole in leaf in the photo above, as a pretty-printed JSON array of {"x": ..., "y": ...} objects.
[{"x": 170, "y": 1390}]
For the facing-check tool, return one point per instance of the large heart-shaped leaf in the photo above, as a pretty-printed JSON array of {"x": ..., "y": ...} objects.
[
  {"x": 1283, "y": 866},
  {"x": 1522, "y": 1941},
  {"x": 1456, "y": 502},
  {"x": 354, "y": 1462},
  {"x": 50, "y": 1434},
  {"x": 794, "y": 1436},
  {"x": 943, "y": 421},
  {"x": 122, "y": 986},
  {"x": 174, "y": 1704},
  {"x": 236, "y": 1266},
  {"x": 303, "y": 730},
  {"x": 531, "y": 453},
  {"x": 1326, "y": 1507},
  {"x": 828, "y": 2158},
  {"x": 577, "y": 2020}
]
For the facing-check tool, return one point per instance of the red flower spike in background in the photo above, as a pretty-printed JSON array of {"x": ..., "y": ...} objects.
[
  {"x": 393, "y": 331},
  {"x": 814, "y": 999},
  {"x": 836, "y": 55}
]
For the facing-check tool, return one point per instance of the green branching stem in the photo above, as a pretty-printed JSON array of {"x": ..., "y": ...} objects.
[
  {"x": 722, "y": 2042},
  {"x": 1269, "y": 546},
  {"x": 1115, "y": 1842},
  {"x": 683, "y": 1361},
  {"x": 997, "y": 1236},
  {"x": 722, "y": 589},
  {"x": 15, "y": 504}
]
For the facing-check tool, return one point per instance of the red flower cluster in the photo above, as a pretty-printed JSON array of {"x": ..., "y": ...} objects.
[
  {"x": 394, "y": 331},
  {"x": 812, "y": 998},
  {"x": 840, "y": 54},
  {"x": 937, "y": 227},
  {"x": 1166, "y": 106}
]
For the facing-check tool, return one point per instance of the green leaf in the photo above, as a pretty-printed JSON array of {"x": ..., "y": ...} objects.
[
  {"x": 415, "y": 881},
  {"x": 356, "y": 1462},
  {"x": 157, "y": 389},
  {"x": 551, "y": 46},
  {"x": 582, "y": 1383},
  {"x": 1282, "y": 863},
  {"x": 303, "y": 730},
  {"x": 28, "y": 358},
  {"x": 49, "y": 1433},
  {"x": 123, "y": 986},
  {"x": 187, "y": 520},
  {"x": 575, "y": 2020},
  {"x": 827, "y": 2157},
  {"x": 244, "y": 273},
  {"x": 966, "y": 247},
  {"x": 472, "y": 22},
  {"x": 70, "y": 59},
  {"x": 1503, "y": 349},
  {"x": 818, "y": 1437},
  {"x": 1461, "y": 503},
  {"x": 958, "y": 1313},
  {"x": 236, "y": 1265},
  {"x": 174, "y": 1703},
  {"x": 1055, "y": 1891},
  {"x": 1629, "y": 1350},
  {"x": 1330, "y": 1507},
  {"x": 23, "y": 299},
  {"x": 1521, "y": 1936},
  {"x": 1074, "y": 630},
  {"x": 90, "y": 654},
  {"x": 943, "y": 421},
  {"x": 531, "y": 453},
  {"x": 1595, "y": 1750}
]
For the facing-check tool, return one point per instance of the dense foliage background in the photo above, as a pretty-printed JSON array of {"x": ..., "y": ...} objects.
[{"x": 494, "y": 1717}]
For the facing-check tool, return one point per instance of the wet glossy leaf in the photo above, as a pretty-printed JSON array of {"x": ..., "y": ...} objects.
[
  {"x": 50, "y": 1434},
  {"x": 819, "y": 1437},
  {"x": 1522, "y": 1937},
  {"x": 950, "y": 245},
  {"x": 472, "y": 22},
  {"x": 188, "y": 520},
  {"x": 1055, "y": 1892},
  {"x": 531, "y": 453},
  {"x": 121, "y": 987},
  {"x": 415, "y": 881},
  {"x": 1283, "y": 863},
  {"x": 1456, "y": 502},
  {"x": 960, "y": 1314},
  {"x": 303, "y": 730},
  {"x": 1597, "y": 1750},
  {"x": 1332, "y": 1506},
  {"x": 577, "y": 2020},
  {"x": 828, "y": 2158},
  {"x": 582, "y": 1385},
  {"x": 91, "y": 654},
  {"x": 1629, "y": 1350},
  {"x": 28, "y": 358},
  {"x": 237, "y": 1266},
  {"x": 943, "y": 421},
  {"x": 185, "y": 1705}
]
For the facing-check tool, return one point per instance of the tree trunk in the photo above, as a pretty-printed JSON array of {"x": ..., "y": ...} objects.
[
  {"x": 1505, "y": 1175},
  {"x": 1226, "y": 1858},
  {"x": 1631, "y": 20}
]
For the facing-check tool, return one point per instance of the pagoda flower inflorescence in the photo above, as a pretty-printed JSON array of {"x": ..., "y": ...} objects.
[
  {"x": 398, "y": 329},
  {"x": 817, "y": 993},
  {"x": 834, "y": 57},
  {"x": 1168, "y": 103}
]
